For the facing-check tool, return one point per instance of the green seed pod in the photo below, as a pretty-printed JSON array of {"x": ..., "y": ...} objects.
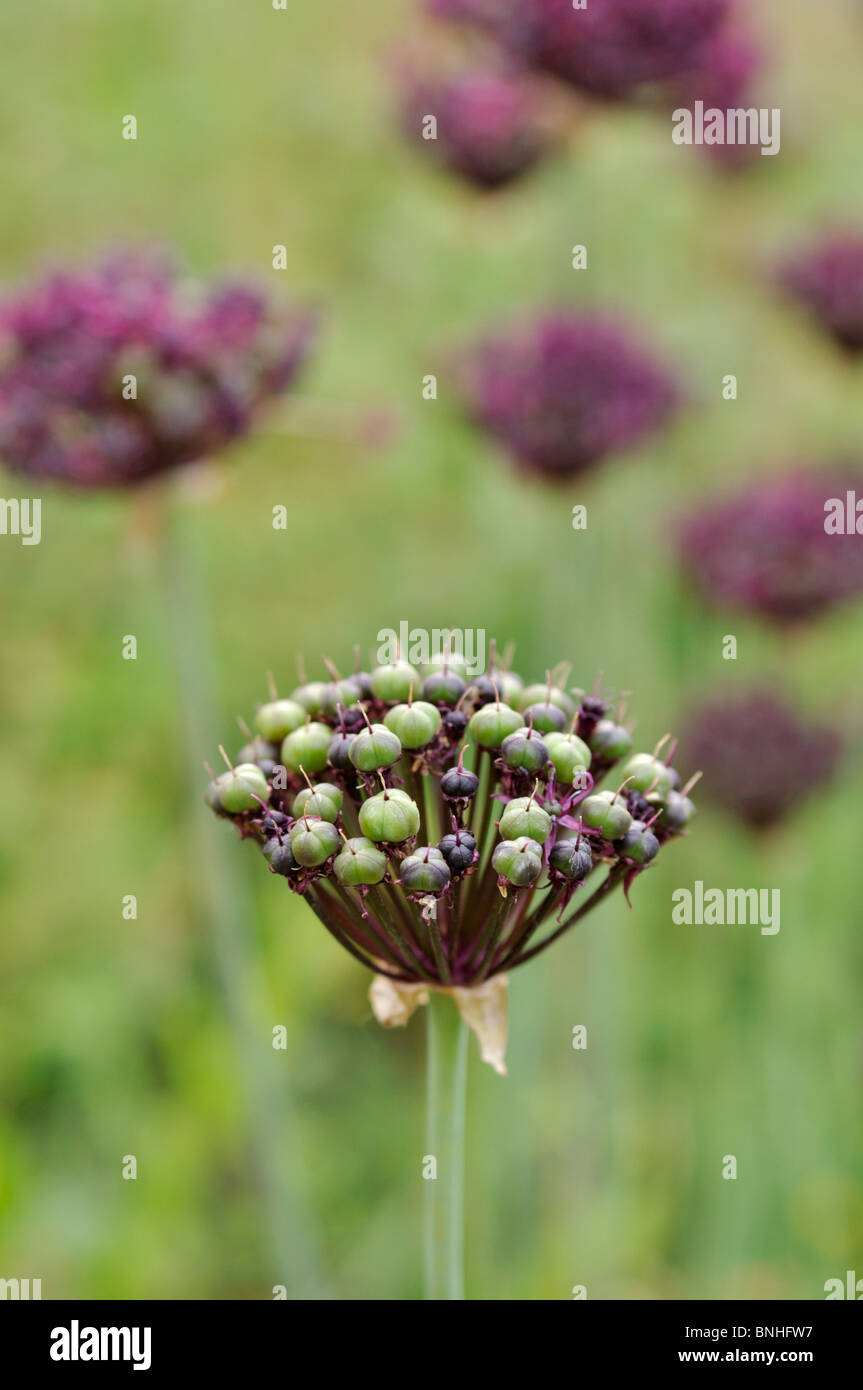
[
  {"x": 307, "y": 748},
  {"x": 344, "y": 693},
  {"x": 519, "y": 861},
  {"x": 375, "y": 748},
  {"x": 569, "y": 755},
  {"x": 213, "y": 797},
  {"x": 279, "y": 718},
  {"x": 443, "y": 687},
  {"x": 546, "y": 718},
  {"x": 676, "y": 813},
  {"x": 243, "y": 789},
  {"x": 322, "y": 800},
  {"x": 258, "y": 751},
  {"x": 607, "y": 813},
  {"x": 425, "y": 871},
  {"x": 359, "y": 863},
  {"x": 394, "y": 682},
  {"x": 639, "y": 844},
  {"x": 389, "y": 817},
  {"x": 644, "y": 772},
  {"x": 493, "y": 723},
  {"x": 541, "y": 695},
  {"x": 415, "y": 725},
  {"x": 311, "y": 696},
  {"x": 524, "y": 749},
  {"x": 453, "y": 663},
  {"x": 509, "y": 684},
  {"x": 313, "y": 841},
  {"x": 572, "y": 858},
  {"x": 610, "y": 741},
  {"x": 523, "y": 817}
]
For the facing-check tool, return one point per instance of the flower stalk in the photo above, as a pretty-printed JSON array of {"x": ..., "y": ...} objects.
[{"x": 443, "y": 1163}]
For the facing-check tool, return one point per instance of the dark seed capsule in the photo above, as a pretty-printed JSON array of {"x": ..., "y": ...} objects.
[
  {"x": 279, "y": 855},
  {"x": 259, "y": 751},
  {"x": 484, "y": 690},
  {"x": 458, "y": 850},
  {"x": 339, "y": 751},
  {"x": 455, "y": 722},
  {"x": 459, "y": 784},
  {"x": 638, "y": 844},
  {"x": 282, "y": 860},
  {"x": 639, "y": 806},
  {"x": 443, "y": 688},
  {"x": 547, "y": 719},
  {"x": 572, "y": 859}
]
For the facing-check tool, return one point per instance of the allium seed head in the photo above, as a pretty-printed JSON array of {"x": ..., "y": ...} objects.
[{"x": 445, "y": 860}]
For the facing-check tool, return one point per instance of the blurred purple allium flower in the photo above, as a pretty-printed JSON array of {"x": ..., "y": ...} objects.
[
  {"x": 766, "y": 548},
  {"x": 491, "y": 126},
  {"x": 205, "y": 361},
  {"x": 721, "y": 77},
  {"x": 609, "y": 48},
  {"x": 828, "y": 279},
  {"x": 565, "y": 391},
  {"x": 758, "y": 758}
]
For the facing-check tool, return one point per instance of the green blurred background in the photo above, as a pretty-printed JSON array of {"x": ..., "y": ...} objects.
[{"x": 153, "y": 1037}]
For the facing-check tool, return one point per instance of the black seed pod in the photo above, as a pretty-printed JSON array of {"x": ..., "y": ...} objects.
[
  {"x": 458, "y": 850},
  {"x": 339, "y": 751},
  {"x": 455, "y": 722},
  {"x": 638, "y": 806},
  {"x": 484, "y": 690},
  {"x": 459, "y": 784},
  {"x": 279, "y": 855},
  {"x": 572, "y": 859}
]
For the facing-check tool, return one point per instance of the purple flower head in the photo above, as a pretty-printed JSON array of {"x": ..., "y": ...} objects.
[
  {"x": 758, "y": 758},
  {"x": 491, "y": 126},
  {"x": 721, "y": 77},
  {"x": 204, "y": 362},
  {"x": 767, "y": 549},
  {"x": 608, "y": 48},
  {"x": 827, "y": 278},
  {"x": 563, "y": 392}
]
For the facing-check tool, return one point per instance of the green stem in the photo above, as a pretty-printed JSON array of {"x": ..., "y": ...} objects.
[
  {"x": 293, "y": 1254},
  {"x": 446, "y": 1093}
]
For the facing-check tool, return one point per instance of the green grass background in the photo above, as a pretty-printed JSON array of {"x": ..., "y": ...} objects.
[{"x": 601, "y": 1167}]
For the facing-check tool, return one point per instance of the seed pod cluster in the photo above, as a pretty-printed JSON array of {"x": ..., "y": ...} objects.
[{"x": 439, "y": 823}]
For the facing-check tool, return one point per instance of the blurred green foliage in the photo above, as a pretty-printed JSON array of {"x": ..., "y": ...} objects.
[{"x": 601, "y": 1167}]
